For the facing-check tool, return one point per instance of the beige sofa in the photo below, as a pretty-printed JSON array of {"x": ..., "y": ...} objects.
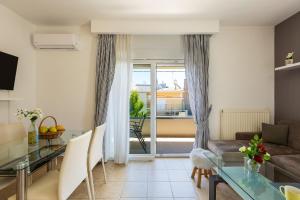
[{"x": 285, "y": 160}]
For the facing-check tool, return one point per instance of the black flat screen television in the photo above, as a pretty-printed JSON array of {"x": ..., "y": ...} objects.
[{"x": 8, "y": 69}]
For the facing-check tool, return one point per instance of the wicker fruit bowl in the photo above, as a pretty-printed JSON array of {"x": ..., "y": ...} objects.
[{"x": 52, "y": 132}]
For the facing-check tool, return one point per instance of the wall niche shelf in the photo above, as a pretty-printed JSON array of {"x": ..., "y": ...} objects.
[
  {"x": 288, "y": 67},
  {"x": 10, "y": 99}
]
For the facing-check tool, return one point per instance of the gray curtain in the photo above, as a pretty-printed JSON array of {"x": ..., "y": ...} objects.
[
  {"x": 105, "y": 70},
  {"x": 196, "y": 58}
]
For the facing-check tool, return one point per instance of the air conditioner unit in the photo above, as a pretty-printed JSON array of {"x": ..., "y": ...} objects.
[{"x": 56, "y": 41}]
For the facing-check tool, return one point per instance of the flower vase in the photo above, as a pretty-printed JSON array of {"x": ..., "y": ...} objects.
[
  {"x": 33, "y": 136},
  {"x": 253, "y": 166},
  {"x": 246, "y": 163}
]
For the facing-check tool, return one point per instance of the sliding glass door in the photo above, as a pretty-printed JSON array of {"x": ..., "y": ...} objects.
[
  {"x": 140, "y": 110},
  {"x": 160, "y": 116},
  {"x": 175, "y": 129}
]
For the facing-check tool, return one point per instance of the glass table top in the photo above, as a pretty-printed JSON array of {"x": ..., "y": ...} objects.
[
  {"x": 18, "y": 154},
  {"x": 248, "y": 184}
]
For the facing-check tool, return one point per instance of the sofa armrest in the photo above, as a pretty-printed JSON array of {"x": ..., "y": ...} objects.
[{"x": 246, "y": 135}]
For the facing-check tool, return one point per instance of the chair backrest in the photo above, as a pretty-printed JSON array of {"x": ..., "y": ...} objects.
[
  {"x": 137, "y": 124},
  {"x": 96, "y": 151},
  {"x": 74, "y": 165},
  {"x": 11, "y": 131}
]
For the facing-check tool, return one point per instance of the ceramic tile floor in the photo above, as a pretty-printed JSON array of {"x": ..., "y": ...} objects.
[{"x": 161, "y": 179}]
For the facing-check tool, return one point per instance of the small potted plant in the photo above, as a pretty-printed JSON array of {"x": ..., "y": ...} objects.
[
  {"x": 289, "y": 58},
  {"x": 32, "y": 115},
  {"x": 256, "y": 153}
]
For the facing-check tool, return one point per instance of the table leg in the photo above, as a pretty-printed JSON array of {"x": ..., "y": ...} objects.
[
  {"x": 49, "y": 166},
  {"x": 21, "y": 182},
  {"x": 52, "y": 164},
  {"x": 213, "y": 182}
]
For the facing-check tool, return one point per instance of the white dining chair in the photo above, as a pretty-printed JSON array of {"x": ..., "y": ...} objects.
[
  {"x": 59, "y": 185},
  {"x": 9, "y": 132},
  {"x": 96, "y": 154}
]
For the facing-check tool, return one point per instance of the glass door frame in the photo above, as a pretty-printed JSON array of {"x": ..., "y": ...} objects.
[
  {"x": 153, "y": 63},
  {"x": 166, "y": 63}
]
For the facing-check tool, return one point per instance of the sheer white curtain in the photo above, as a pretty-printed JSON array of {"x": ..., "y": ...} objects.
[{"x": 117, "y": 132}]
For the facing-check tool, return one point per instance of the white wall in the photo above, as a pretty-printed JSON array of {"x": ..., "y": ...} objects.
[
  {"x": 60, "y": 82},
  {"x": 156, "y": 47},
  {"x": 15, "y": 39},
  {"x": 66, "y": 80},
  {"x": 241, "y": 71}
]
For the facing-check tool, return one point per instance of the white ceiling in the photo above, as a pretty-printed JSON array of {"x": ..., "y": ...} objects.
[{"x": 229, "y": 12}]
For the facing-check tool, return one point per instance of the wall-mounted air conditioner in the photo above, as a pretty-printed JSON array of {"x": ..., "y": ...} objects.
[{"x": 56, "y": 41}]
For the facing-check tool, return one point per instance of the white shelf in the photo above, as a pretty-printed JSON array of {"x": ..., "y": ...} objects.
[
  {"x": 10, "y": 99},
  {"x": 288, "y": 67}
]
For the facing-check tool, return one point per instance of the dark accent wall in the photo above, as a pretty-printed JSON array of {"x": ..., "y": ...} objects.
[{"x": 287, "y": 83}]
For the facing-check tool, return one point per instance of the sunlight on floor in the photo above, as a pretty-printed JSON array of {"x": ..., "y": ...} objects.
[{"x": 163, "y": 178}]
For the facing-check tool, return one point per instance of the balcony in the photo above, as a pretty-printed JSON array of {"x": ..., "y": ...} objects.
[{"x": 175, "y": 128}]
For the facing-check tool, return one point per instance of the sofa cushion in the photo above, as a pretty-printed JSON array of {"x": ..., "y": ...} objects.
[
  {"x": 276, "y": 134},
  {"x": 275, "y": 149},
  {"x": 246, "y": 135},
  {"x": 291, "y": 163},
  {"x": 294, "y": 136},
  {"x": 228, "y": 149},
  {"x": 294, "y": 133},
  {"x": 221, "y": 146}
]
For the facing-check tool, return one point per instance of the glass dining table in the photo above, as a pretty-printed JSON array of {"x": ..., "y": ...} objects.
[{"x": 19, "y": 159}]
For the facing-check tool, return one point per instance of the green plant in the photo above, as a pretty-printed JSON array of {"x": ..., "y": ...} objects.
[
  {"x": 256, "y": 150},
  {"x": 290, "y": 55},
  {"x": 137, "y": 108}
]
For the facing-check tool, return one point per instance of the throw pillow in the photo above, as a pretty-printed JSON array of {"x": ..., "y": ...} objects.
[
  {"x": 294, "y": 136},
  {"x": 276, "y": 134}
]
